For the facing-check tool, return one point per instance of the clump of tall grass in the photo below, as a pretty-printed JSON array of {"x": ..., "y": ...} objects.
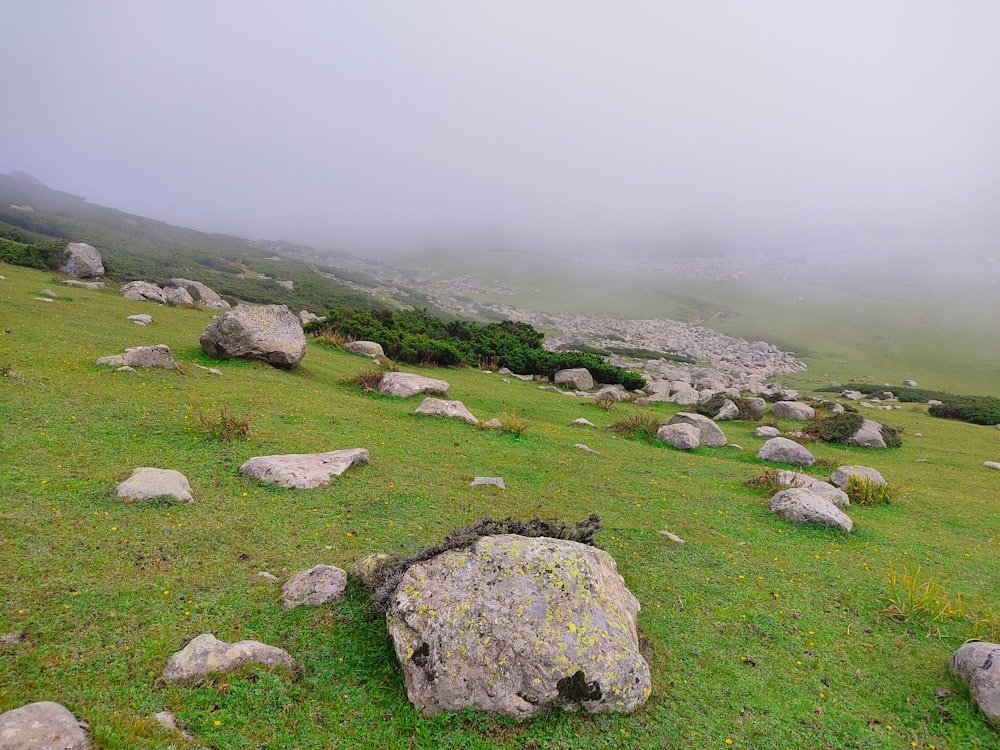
[
  {"x": 640, "y": 426},
  {"x": 227, "y": 424},
  {"x": 913, "y": 595},
  {"x": 865, "y": 491}
]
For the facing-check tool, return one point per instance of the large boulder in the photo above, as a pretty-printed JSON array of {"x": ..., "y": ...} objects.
[
  {"x": 685, "y": 396},
  {"x": 408, "y": 384},
  {"x": 44, "y": 725},
  {"x": 978, "y": 663},
  {"x": 82, "y": 261},
  {"x": 176, "y": 295},
  {"x": 785, "y": 451},
  {"x": 148, "y": 483},
  {"x": 793, "y": 410},
  {"x": 843, "y": 474},
  {"x": 727, "y": 412},
  {"x": 200, "y": 293},
  {"x": 869, "y": 435},
  {"x": 142, "y": 291},
  {"x": 803, "y": 505},
  {"x": 575, "y": 378},
  {"x": 302, "y": 471},
  {"x": 711, "y": 433},
  {"x": 271, "y": 333},
  {"x": 436, "y": 407},
  {"x": 364, "y": 348},
  {"x": 680, "y": 435},
  {"x": 795, "y": 479},
  {"x": 518, "y": 625},
  {"x": 320, "y": 584},
  {"x": 206, "y": 655}
]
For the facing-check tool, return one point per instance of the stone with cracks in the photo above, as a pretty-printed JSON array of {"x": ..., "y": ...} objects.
[
  {"x": 320, "y": 584},
  {"x": 141, "y": 319},
  {"x": 206, "y": 655},
  {"x": 437, "y": 407},
  {"x": 683, "y": 436},
  {"x": 803, "y": 505},
  {"x": 795, "y": 479},
  {"x": 843, "y": 474},
  {"x": 148, "y": 483},
  {"x": 766, "y": 431},
  {"x": 711, "y": 433},
  {"x": 575, "y": 378},
  {"x": 83, "y": 261},
  {"x": 978, "y": 663},
  {"x": 158, "y": 355},
  {"x": 518, "y": 625},
  {"x": 303, "y": 471},
  {"x": 44, "y": 725},
  {"x": 176, "y": 295},
  {"x": 200, "y": 293},
  {"x": 727, "y": 412},
  {"x": 365, "y": 348},
  {"x": 271, "y": 333},
  {"x": 142, "y": 291},
  {"x": 406, "y": 384},
  {"x": 869, "y": 435},
  {"x": 793, "y": 410},
  {"x": 783, "y": 450}
]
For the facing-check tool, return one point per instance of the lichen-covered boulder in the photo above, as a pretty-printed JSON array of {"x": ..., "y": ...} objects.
[
  {"x": 302, "y": 471},
  {"x": 793, "y": 410},
  {"x": 148, "y": 483},
  {"x": 803, "y": 505},
  {"x": 271, "y": 333},
  {"x": 44, "y": 725},
  {"x": 683, "y": 436},
  {"x": 711, "y": 434},
  {"x": 437, "y": 407},
  {"x": 574, "y": 378},
  {"x": 978, "y": 663},
  {"x": 406, "y": 384},
  {"x": 785, "y": 451},
  {"x": 200, "y": 293},
  {"x": 518, "y": 625},
  {"x": 320, "y": 584},
  {"x": 142, "y": 291},
  {"x": 207, "y": 655},
  {"x": 83, "y": 261},
  {"x": 365, "y": 348}
]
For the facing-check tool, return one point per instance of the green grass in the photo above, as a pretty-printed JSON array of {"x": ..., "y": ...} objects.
[{"x": 758, "y": 631}]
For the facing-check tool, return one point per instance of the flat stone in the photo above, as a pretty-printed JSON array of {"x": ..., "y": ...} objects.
[
  {"x": 406, "y": 384},
  {"x": 320, "y": 584},
  {"x": 492, "y": 481},
  {"x": 303, "y": 471},
  {"x": 437, "y": 407},
  {"x": 206, "y": 655},
  {"x": 44, "y": 725},
  {"x": 148, "y": 483}
]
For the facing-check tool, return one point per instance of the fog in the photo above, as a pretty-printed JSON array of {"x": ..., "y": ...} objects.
[{"x": 645, "y": 127}]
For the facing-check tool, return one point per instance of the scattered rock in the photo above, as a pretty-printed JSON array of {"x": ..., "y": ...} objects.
[
  {"x": 584, "y": 448},
  {"x": 766, "y": 431},
  {"x": 490, "y": 481},
  {"x": 82, "y": 261},
  {"x": 200, "y": 293},
  {"x": 843, "y": 473},
  {"x": 366, "y": 569},
  {"x": 793, "y": 410},
  {"x": 575, "y": 378},
  {"x": 270, "y": 333},
  {"x": 206, "y": 655},
  {"x": 795, "y": 479},
  {"x": 557, "y": 628},
  {"x": 582, "y": 422},
  {"x": 158, "y": 355},
  {"x": 365, "y": 348},
  {"x": 210, "y": 370},
  {"x": 178, "y": 296},
  {"x": 804, "y": 505},
  {"x": 437, "y": 407},
  {"x": 303, "y": 471},
  {"x": 671, "y": 537},
  {"x": 406, "y": 384},
  {"x": 141, "y": 320},
  {"x": 711, "y": 434},
  {"x": 783, "y": 450},
  {"x": 991, "y": 464},
  {"x": 910, "y": 383},
  {"x": 680, "y": 435},
  {"x": 869, "y": 435},
  {"x": 42, "y": 726},
  {"x": 142, "y": 291},
  {"x": 320, "y": 584},
  {"x": 267, "y": 576},
  {"x": 147, "y": 483},
  {"x": 978, "y": 664}
]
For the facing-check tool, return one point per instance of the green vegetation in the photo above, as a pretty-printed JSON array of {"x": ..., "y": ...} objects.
[
  {"x": 747, "y": 411},
  {"x": 865, "y": 491},
  {"x": 640, "y": 425},
  {"x": 835, "y": 428},
  {"x": 416, "y": 337},
  {"x": 756, "y": 630}
]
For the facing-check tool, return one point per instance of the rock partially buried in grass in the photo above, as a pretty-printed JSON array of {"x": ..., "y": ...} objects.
[
  {"x": 804, "y": 505},
  {"x": 157, "y": 355},
  {"x": 785, "y": 451},
  {"x": 555, "y": 627},
  {"x": 206, "y": 655},
  {"x": 489, "y": 481},
  {"x": 978, "y": 663},
  {"x": 711, "y": 434},
  {"x": 148, "y": 483},
  {"x": 436, "y": 407},
  {"x": 794, "y": 479},
  {"x": 303, "y": 471},
  {"x": 44, "y": 725},
  {"x": 406, "y": 384},
  {"x": 320, "y": 584},
  {"x": 683, "y": 436},
  {"x": 843, "y": 475}
]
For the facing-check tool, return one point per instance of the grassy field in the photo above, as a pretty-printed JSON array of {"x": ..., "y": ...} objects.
[{"x": 759, "y": 633}]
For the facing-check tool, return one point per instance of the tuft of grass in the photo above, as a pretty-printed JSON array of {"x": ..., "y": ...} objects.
[
  {"x": 915, "y": 596},
  {"x": 985, "y": 627},
  {"x": 367, "y": 380},
  {"x": 227, "y": 424},
  {"x": 605, "y": 403},
  {"x": 864, "y": 491},
  {"x": 767, "y": 480},
  {"x": 512, "y": 424},
  {"x": 640, "y": 426},
  {"x": 330, "y": 338}
]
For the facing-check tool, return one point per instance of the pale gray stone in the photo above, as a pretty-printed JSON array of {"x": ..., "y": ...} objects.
[
  {"x": 142, "y": 291},
  {"x": 671, "y": 537},
  {"x": 684, "y": 396},
  {"x": 582, "y": 422},
  {"x": 608, "y": 393},
  {"x": 869, "y": 435},
  {"x": 271, "y": 333},
  {"x": 320, "y": 584},
  {"x": 406, "y": 384},
  {"x": 83, "y": 261},
  {"x": 112, "y": 360},
  {"x": 48, "y": 293},
  {"x": 303, "y": 471},
  {"x": 210, "y": 370},
  {"x": 488, "y": 481},
  {"x": 437, "y": 407},
  {"x": 10, "y": 639},
  {"x": 267, "y": 576},
  {"x": 364, "y": 348},
  {"x": 575, "y": 378},
  {"x": 176, "y": 295},
  {"x": 141, "y": 320},
  {"x": 680, "y": 435},
  {"x": 793, "y": 410},
  {"x": 711, "y": 434},
  {"x": 493, "y": 424},
  {"x": 727, "y": 412},
  {"x": 803, "y": 505},
  {"x": 844, "y": 473},
  {"x": 584, "y": 448},
  {"x": 837, "y": 409},
  {"x": 127, "y": 369},
  {"x": 148, "y": 483},
  {"x": 991, "y": 464},
  {"x": 910, "y": 383},
  {"x": 200, "y": 293},
  {"x": 44, "y": 725},
  {"x": 796, "y": 479},
  {"x": 556, "y": 628},
  {"x": 158, "y": 355},
  {"x": 93, "y": 286},
  {"x": 978, "y": 664},
  {"x": 783, "y": 450},
  {"x": 206, "y": 655},
  {"x": 766, "y": 431}
]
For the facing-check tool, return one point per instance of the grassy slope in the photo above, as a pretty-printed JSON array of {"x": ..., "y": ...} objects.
[{"x": 759, "y": 631}]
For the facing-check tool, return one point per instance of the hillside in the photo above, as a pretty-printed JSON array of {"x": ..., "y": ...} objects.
[{"x": 759, "y": 633}]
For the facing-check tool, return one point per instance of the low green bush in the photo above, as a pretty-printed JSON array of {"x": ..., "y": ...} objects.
[{"x": 836, "y": 428}]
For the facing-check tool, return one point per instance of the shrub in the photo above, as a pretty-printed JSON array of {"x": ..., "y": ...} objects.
[
  {"x": 986, "y": 627},
  {"x": 864, "y": 491},
  {"x": 890, "y": 436},
  {"x": 711, "y": 407},
  {"x": 45, "y": 255},
  {"x": 767, "y": 480},
  {"x": 512, "y": 424},
  {"x": 367, "y": 380},
  {"x": 974, "y": 409},
  {"x": 330, "y": 338},
  {"x": 640, "y": 426},
  {"x": 226, "y": 425},
  {"x": 835, "y": 428},
  {"x": 913, "y": 596}
]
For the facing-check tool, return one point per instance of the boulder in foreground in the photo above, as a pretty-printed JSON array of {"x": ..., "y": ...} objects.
[
  {"x": 148, "y": 483},
  {"x": 303, "y": 471},
  {"x": 978, "y": 663},
  {"x": 271, "y": 333},
  {"x": 44, "y": 725}
]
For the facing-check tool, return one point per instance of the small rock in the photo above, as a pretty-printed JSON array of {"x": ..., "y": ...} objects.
[
  {"x": 206, "y": 655},
  {"x": 582, "y": 422},
  {"x": 843, "y": 474},
  {"x": 9, "y": 639},
  {"x": 991, "y": 464},
  {"x": 141, "y": 320},
  {"x": 585, "y": 448},
  {"x": 267, "y": 576},
  {"x": 44, "y": 725},
  {"x": 365, "y": 348},
  {"x": 148, "y": 483},
  {"x": 493, "y": 424},
  {"x": 437, "y": 407},
  {"x": 783, "y": 450},
  {"x": 303, "y": 471},
  {"x": 766, "y": 431},
  {"x": 793, "y": 410},
  {"x": 671, "y": 537},
  {"x": 494, "y": 481},
  {"x": 321, "y": 584},
  {"x": 127, "y": 370}
]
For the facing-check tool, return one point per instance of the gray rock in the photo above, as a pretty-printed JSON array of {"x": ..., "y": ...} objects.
[
  {"x": 112, "y": 360},
  {"x": 48, "y": 293},
  {"x": 493, "y": 424},
  {"x": 685, "y": 396},
  {"x": 803, "y": 505},
  {"x": 307, "y": 317},
  {"x": 148, "y": 483},
  {"x": 267, "y": 576},
  {"x": 158, "y": 355},
  {"x": 10, "y": 639},
  {"x": 176, "y": 295},
  {"x": 303, "y": 471},
  {"x": 727, "y": 412},
  {"x": 795, "y": 479},
  {"x": 210, "y": 370},
  {"x": 844, "y": 473},
  {"x": 320, "y": 584},
  {"x": 642, "y": 401},
  {"x": 853, "y": 395},
  {"x": 141, "y": 320},
  {"x": 489, "y": 482},
  {"x": 582, "y": 422},
  {"x": 609, "y": 393},
  {"x": 910, "y": 383},
  {"x": 206, "y": 655},
  {"x": 43, "y": 299},
  {"x": 367, "y": 568},
  {"x": 271, "y": 333},
  {"x": 584, "y": 448},
  {"x": 837, "y": 409},
  {"x": 82, "y": 261},
  {"x": 436, "y": 407},
  {"x": 711, "y": 434},
  {"x": 758, "y": 405},
  {"x": 671, "y": 537},
  {"x": 680, "y": 435},
  {"x": 793, "y": 410},
  {"x": 364, "y": 348},
  {"x": 557, "y": 627},
  {"x": 406, "y": 384},
  {"x": 200, "y": 293},
  {"x": 935, "y": 402},
  {"x": 766, "y": 431},
  {"x": 142, "y": 291},
  {"x": 783, "y": 450},
  {"x": 575, "y": 378},
  {"x": 94, "y": 286},
  {"x": 978, "y": 664},
  {"x": 991, "y": 464},
  {"x": 42, "y": 726},
  {"x": 129, "y": 370},
  {"x": 869, "y": 435}
]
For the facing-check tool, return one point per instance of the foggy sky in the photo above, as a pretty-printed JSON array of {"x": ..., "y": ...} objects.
[{"x": 563, "y": 125}]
